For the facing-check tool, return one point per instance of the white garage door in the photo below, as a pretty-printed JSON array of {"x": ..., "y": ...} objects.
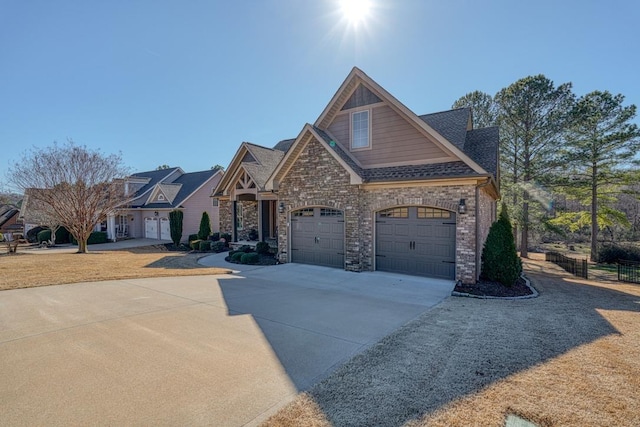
[
  {"x": 151, "y": 228},
  {"x": 165, "y": 231}
]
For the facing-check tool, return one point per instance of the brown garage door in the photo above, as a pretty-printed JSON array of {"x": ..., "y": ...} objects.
[
  {"x": 416, "y": 240},
  {"x": 317, "y": 237}
]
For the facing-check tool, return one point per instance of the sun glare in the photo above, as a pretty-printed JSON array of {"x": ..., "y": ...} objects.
[{"x": 355, "y": 11}]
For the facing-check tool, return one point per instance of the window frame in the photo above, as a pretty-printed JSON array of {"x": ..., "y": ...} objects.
[{"x": 352, "y": 116}]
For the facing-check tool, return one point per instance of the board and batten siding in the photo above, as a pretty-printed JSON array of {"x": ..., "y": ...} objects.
[
  {"x": 394, "y": 140},
  {"x": 199, "y": 202}
]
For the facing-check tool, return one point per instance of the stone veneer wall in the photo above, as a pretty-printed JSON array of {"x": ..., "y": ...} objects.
[
  {"x": 317, "y": 179},
  {"x": 444, "y": 197},
  {"x": 250, "y": 218},
  {"x": 226, "y": 219}
]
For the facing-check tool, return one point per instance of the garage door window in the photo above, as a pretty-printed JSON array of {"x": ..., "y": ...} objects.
[
  {"x": 303, "y": 212},
  {"x": 395, "y": 213},
  {"x": 330, "y": 212},
  {"x": 433, "y": 213}
]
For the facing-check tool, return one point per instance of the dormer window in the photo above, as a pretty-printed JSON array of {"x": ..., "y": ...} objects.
[{"x": 360, "y": 130}]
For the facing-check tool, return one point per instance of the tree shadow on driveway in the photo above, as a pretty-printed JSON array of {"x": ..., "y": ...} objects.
[{"x": 464, "y": 345}]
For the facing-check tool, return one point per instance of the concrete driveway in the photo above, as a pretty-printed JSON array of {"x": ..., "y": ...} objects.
[{"x": 206, "y": 350}]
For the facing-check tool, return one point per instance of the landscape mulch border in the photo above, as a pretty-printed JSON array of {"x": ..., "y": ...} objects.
[{"x": 534, "y": 293}]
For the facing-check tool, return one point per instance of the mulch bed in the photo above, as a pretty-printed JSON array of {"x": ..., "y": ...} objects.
[
  {"x": 495, "y": 289},
  {"x": 265, "y": 259}
]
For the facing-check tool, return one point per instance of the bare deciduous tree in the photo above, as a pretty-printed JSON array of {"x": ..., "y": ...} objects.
[{"x": 77, "y": 186}]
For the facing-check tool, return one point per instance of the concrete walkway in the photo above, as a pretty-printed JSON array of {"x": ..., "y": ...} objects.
[{"x": 208, "y": 350}]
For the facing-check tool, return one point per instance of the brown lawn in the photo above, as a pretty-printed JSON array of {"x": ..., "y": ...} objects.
[
  {"x": 28, "y": 269},
  {"x": 567, "y": 377}
]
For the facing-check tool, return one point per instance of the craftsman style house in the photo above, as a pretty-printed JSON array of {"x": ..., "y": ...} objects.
[{"x": 370, "y": 186}]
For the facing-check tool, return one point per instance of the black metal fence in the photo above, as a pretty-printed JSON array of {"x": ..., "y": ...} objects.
[
  {"x": 577, "y": 267},
  {"x": 628, "y": 271}
]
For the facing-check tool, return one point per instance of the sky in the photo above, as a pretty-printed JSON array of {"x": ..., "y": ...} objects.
[{"x": 183, "y": 83}]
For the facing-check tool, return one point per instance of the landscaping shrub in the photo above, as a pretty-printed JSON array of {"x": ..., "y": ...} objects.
[
  {"x": 193, "y": 237},
  {"x": 32, "y": 235},
  {"x": 253, "y": 234},
  {"x": 63, "y": 235},
  {"x": 44, "y": 236},
  {"x": 194, "y": 245},
  {"x": 215, "y": 236},
  {"x": 610, "y": 254},
  {"x": 500, "y": 260},
  {"x": 175, "y": 226},
  {"x": 245, "y": 248},
  {"x": 250, "y": 258},
  {"x": 205, "y": 246},
  {"x": 226, "y": 237},
  {"x": 205, "y": 227},
  {"x": 237, "y": 257},
  {"x": 218, "y": 246},
  {"x": 262, "y": 248},
  {"x": 95, "y": 237}
]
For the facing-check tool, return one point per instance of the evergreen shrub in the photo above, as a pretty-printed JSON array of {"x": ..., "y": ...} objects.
[{"x": 500, "y": 261}]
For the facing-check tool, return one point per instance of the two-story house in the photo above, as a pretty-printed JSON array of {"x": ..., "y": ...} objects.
[{"x": 370, "y": 185}]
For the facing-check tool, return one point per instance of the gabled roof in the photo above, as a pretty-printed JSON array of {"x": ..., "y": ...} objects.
[
  {"x": 482, "y": 145},
  {"x": 152, "y": 178},
  {"x": 308, "y": 132},
  {"x": 177, "y": 191},
  {"x": 451, "y": 124},
  {"x": 357, "y": 77},
  {"x": 263, "y": 161}
]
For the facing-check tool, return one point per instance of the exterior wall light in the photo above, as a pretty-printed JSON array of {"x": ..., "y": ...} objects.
[
  {"x": 281, "y": 207},
  {"x": 462, "y": 207},
  {"x": 156, "y": 213}
]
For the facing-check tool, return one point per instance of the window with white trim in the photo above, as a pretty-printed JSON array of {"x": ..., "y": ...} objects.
[
  {"x": 214, "y": 202},
  {"x": 360, "y": 129}
]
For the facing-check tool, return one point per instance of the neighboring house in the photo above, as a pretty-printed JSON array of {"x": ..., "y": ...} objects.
[
  {"x": 9, "y": 223},
  {"x": 155, "y": 194},
  {"x": 370, "y": 186}
]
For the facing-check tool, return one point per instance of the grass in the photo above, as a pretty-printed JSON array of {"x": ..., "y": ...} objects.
[
  {"x": 568, "y": 358},
  {"x": 26, "y": 270}
]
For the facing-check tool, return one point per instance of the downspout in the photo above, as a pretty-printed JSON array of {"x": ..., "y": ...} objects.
[{"x": 478, "y": 248}]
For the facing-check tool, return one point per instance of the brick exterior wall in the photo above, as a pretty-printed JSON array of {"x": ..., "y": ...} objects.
[
  {"x": 317, "y": 179},
  {"x": 226, "y": 219}
]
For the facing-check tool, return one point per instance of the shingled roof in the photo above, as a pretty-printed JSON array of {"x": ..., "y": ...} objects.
[
  {"x": 452, "y": 124},
  {"x": 482, "y": 146},
  {"x": 177, "y": 191}
]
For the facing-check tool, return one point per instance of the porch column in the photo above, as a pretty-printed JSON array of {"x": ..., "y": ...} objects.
[
  {"x": 234, "y": 219},
  {"x": 111, "y": 227},
  {"x": 260, "y": 222}
]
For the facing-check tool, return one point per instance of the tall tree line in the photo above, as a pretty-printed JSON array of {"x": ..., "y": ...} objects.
[{"x": 553, "y": 143}]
